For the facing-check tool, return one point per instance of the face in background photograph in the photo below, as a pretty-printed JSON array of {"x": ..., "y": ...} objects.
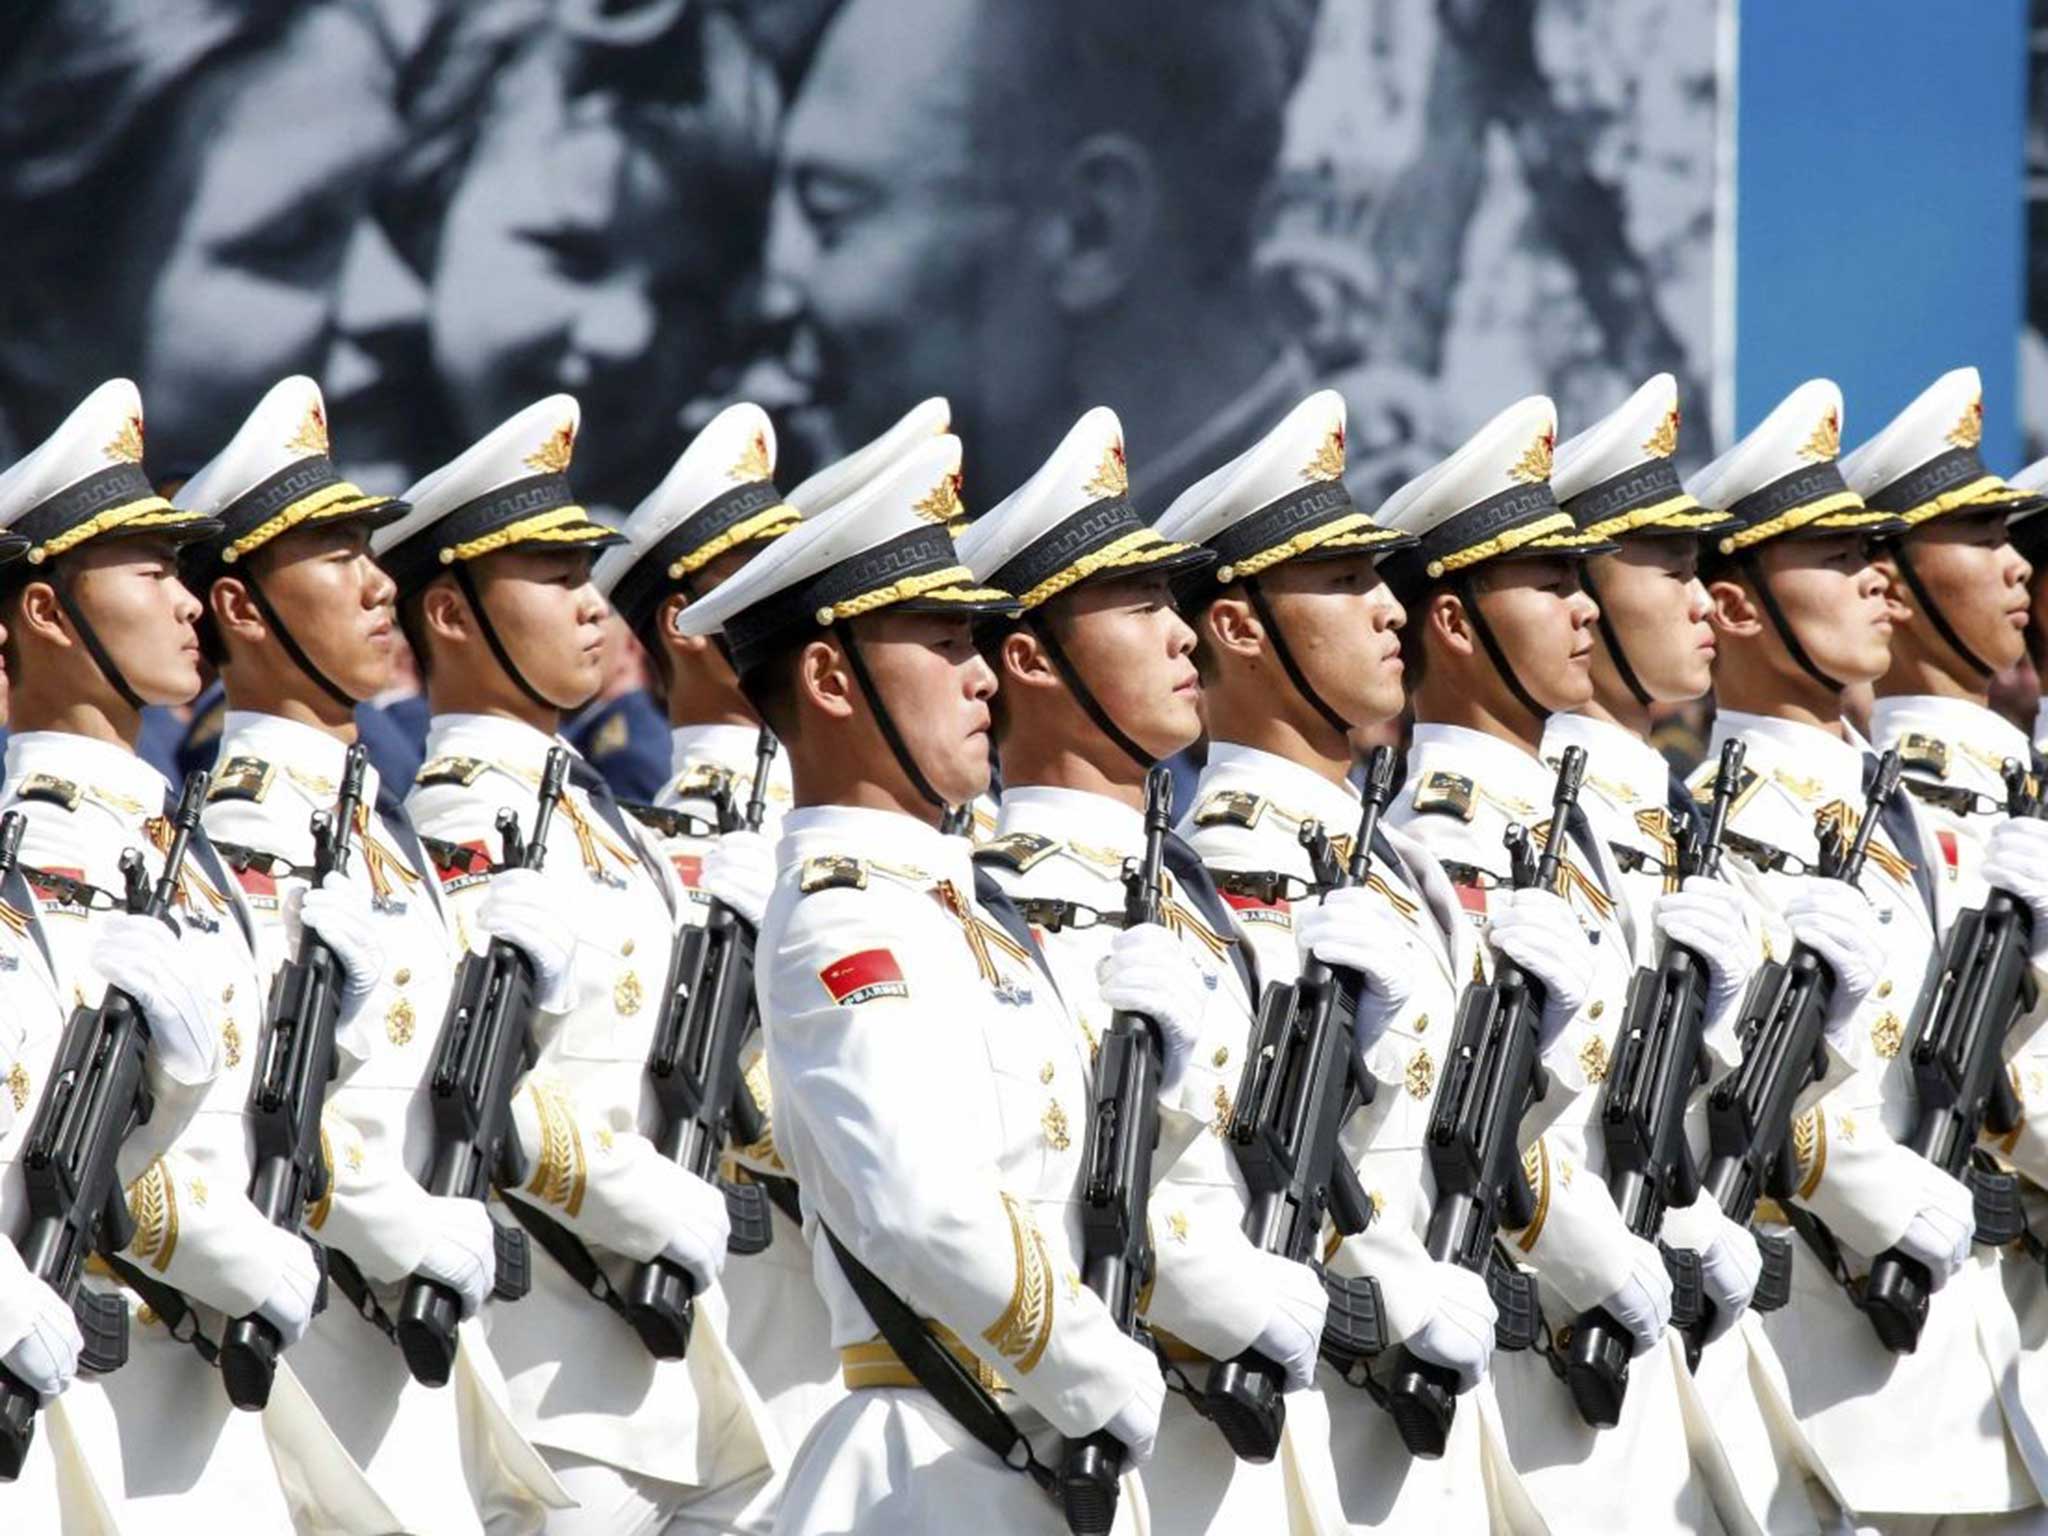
[{"x": 596, "y": 237}]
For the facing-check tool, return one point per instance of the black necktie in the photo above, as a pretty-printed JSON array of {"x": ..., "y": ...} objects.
[
  {"x": 1896, "y": 817},
  {"x": 392, "y": 810},
  {"x": 199, "y": 850},
  {"x": 1682, "y": 808},
  {"x": 600, "y": 796},
  {"x": 1187, "y": 868}
]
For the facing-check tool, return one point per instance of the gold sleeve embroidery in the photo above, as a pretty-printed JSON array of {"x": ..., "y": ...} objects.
[
  {"x": 1810, "y": 1147},
  {"x": 153, "y": 1205},
  {"x": 761, "y": 1153},
  {"x": 1025, "y": 1327},
  {"x": 316, "y": 1215},
  {"x": 560, "y": 1177},
  {"x": 1536, "y": 1169}
]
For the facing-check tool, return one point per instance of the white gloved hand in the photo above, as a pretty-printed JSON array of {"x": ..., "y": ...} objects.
[
  {"x": 1294, "y": 1328},
  {"x": 140, "y": 956},
  {"x": 519, "y": 909},
  {"x": 2016, "y": 860},
  {"x": 1708, "y": 917},
  {"x": 1730, "y": 1263},
  {"x": 1135, "y": 1426},
  {"x": 463, "y": 1253},
  {"x": 1458, "y": 1333},
  {"x": 39, "y": 1338},
  {"x": 702, "y": 1226},
  {"x": 340, "y": 914},
  {"x": 289, "y": 1306},
  {"x": 739, "y": 870},
  {"x": 1642, "y": 1305},
  {"x": 1832, "y": 918},
  {"x": 1147, "y": 971},
  {"x": 1940, "y": 1231},
  {"x": 1536, "y": 930},
  {"x": 1356, "y": 929}
]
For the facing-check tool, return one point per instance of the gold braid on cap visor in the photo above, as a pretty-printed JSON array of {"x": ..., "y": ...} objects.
[
  {"x": 145, "y": 512},
  {"x": 1679, "y": 513},
  {"x": 1353, "y": 530},
  {"x": 561, "y": 525},
  {"x": 765, "y": 524},
  {"x": 337, "y": 500},
  {"x": 926, "y": 585},
  {"x": 1554, "y": 523},
  {"x": 1140, "y": 547}
]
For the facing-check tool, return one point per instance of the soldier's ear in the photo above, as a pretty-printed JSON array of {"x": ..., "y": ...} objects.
[
  {"x": 444, "y": 614},
  {"x": 1024, "y": 662},
  {"x": 1099, "y": 234},
  {"x": 824, "y": 683},
  {"x": 1446, "y": 623},
  {"x": 234, "y": 612},
  {"x": 1735, "y": 609},
  {"x": 1231, "y": 626},
  {"x": 669, "y": 627},
  {"x": 37, "y": 614}
]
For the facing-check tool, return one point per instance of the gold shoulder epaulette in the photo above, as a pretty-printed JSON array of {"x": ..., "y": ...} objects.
[
  {"x": 242, "y": 778},
  {"x": 1929, "y": 754},
  {"x": 48, "y": 787},
  {"x": 831, "y": 872},
  {"x": 1230, "y": 808},
  {"x": 702, "y": 781},
  {"x": 1445, "y": 794},
  {"x": 1702, "y": 783},
  {"x": 1017, "y": 851},
  {"x": 452, "y": 770}
]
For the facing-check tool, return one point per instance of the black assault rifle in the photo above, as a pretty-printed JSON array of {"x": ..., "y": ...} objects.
[
  {"x": 694, "y": 1067},
  {"x": 1749, "y": 1112},
  {"x": 1958, "y": 1062},
  {"x": 486, "y": 1043},
  {"x": 1659, "y": 1058},
  {"x": 1492, "y": 1076},
  {"x": 97, "y": 1095},
  {"x": 1123, "y": 1130},
  {"x": 290, "y": 1089},
  {"x": 1297, "y": 1091}
]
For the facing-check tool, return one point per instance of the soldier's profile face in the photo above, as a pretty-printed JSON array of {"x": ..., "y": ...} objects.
[
  {"x": 1544, "y": 621},
  {"x": 937, "y": 689},
  {"x": 1136, "y": 655},
  {"x": 1835, "y": 598},
  {"x": 337, "y": 602},
  {"x": 1979, "y": 582},
  {"x": 144, "y": 615},
  {"x": 550, "y": 619},
  {"x": 1650, "y": 595},
  {"x": 1342, "y": 623}
]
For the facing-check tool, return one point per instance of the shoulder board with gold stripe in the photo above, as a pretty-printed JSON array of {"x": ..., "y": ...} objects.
[
  {"x": 1929, "y": 754},
  {"x": 51, "y": 789},
  {"x": 1702, "y": 783},
  {"x": 452, "y": 770},
  {"x": 1445, "y": 794},
  {"x": 1230, "y": 808},
  {"x": 703, "y": 781},
  {"x": 1017, "y": 851},
  {"x": 242, "y": 778},
  {"x": 832, "y": 872}
]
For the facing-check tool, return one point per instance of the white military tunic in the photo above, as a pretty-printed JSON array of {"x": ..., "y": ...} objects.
[
  {"x": 930, "y": 1088},
  {"x": 1929, "y": 1432},
  {"x": 272, "y": 777},
  {"x": 581, "y": 1381},
  {"x": 1463, "y": 790},
  {"x": 184, "y": 1456},
  {"x": 1246, "y": 817}
]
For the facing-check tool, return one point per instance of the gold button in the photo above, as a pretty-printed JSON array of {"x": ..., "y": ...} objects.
[
  {"x": 1045, "y": 1073},
  {"x": 404, "y": 975},
  {"x": 1222, "y": 1056},
  {"x": 1421, "y": 1023},
  {"x": 1884, "y": 988},
  {"x": 626, "y": 948},
  {"x": 1599, "y": 1007},
  {"x": 228, "y": 993}
]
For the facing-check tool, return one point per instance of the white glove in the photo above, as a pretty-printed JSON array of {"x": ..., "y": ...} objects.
[
  {"x": 519, "y": 909},
  {"x": 2016, "y": 860},
  {"x": 1356, "y": 929},
  {"x": 1294, "y": 1329},
  {"x": 1708, "y": 917},
  {"x": 1147, "y": 971},
  {"x": 1831, "y": 918},
  {"x": 39, "y": 1338},
  {"x": 702, "y": 1227},
  {"x": 463, "y": 1254},
  {"x": 1939, "y": 1233},
  {"x": 1458, "y": 1333},
  {"x": 289, "y": 1306},
  {"x": 1643, "y": 1303},
  {"x": 740, "y": 871},
  {"x": 1730, "y": 1263},
  {"x": 1136, "y": 1425},
  {"x": 140, "y": 956},
  {"x": 1536, "y": 929},
  {"x": 340, "y": 914}
]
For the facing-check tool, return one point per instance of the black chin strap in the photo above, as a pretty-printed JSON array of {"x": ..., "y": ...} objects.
[
  {"x": 1609, "y": 634},
  {"x": 1288, "y": 664},
  {"x": 483, "y": 620},
  {"x": 1779, "y": 622},
  {"x": 1071, "y": 676},
  {"x": 885, "y": 720},
  {"x": 1934, "y": 614},
  {"x": 91, "y": 640},
  {"x": 1470, "y": 598},
  {"x": 297, "y": 652}
]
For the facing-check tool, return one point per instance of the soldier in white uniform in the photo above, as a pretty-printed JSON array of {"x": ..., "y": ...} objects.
[
  {"x": 1500, "y": 637},
  {"x": 1097, "y": 684},
  {"x": 492, "y": 566},
  {"x": 1298, "y": 646},
  {"x": 929, "y": 1082},
  {"x": 1654, "y": 647},
  {"x": 714, "y": 511},
  {"x": 294, "y": 540},
  {"x": 1802, "y": 613},
  {"x": 99, "y": 627}
]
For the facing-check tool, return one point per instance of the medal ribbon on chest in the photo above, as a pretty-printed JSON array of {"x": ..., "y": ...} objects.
[
  {"x": 158, "y": 830},
  {"x": 982, "y": 936},
  {"x": 380, "y": 861}
]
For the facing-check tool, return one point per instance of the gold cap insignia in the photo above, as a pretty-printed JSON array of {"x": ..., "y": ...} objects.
[
  {"x": 753, "y": 464},
  {"x": 1534, "y": 464},
  {"x": 126, "y": 448},
  {"x": 311, "y": 438},
  {"x": 552, "y": 456},
  {"x": 1664, "y": 441},
  {"x": 1328, "y": 464},
  {"x": 943, "y": 504},
  {"x": 1969, "y": 431},
  {"x": 1113, "y": 474},
  {"x": 1826, "y": 441}
]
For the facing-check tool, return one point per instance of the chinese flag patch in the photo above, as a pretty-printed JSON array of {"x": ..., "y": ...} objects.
[
  {"x": 463, "y": 865},
  {"x": 1251, "y": 909},
  {"x": 259, "y": 885},
  {"x": 1473, "y": 899},
  {"x": 863, "y": 977},
  {"x": 689, "y": 868},
  {"x": 1948, "y": 851}
]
